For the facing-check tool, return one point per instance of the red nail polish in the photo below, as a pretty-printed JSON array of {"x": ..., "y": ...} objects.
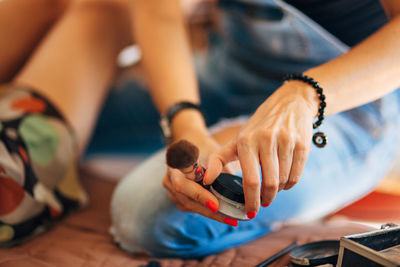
[
  {"x": 198, "y": 170},
  {"x": 251, "y": 214},
  {"x": 230, "y": 221},
  {"x": 204, "y": 177},
  {"x": 265, "y": 205},
  {"x": 212, "y": 206}
]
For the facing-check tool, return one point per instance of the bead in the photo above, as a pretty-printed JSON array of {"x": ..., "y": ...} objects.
[{"x": 320, "y": 139}]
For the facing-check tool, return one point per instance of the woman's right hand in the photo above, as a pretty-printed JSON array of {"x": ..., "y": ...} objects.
[{"x": 187, "y": 194}]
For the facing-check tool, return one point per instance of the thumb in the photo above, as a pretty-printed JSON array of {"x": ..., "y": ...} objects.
[{"x": 218, "y": 160}]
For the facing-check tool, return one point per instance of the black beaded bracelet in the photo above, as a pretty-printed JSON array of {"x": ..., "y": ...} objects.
[{"x": 319, "y": 138}]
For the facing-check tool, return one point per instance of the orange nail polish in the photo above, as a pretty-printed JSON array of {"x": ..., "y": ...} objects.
[
  {"x": 212, "y": 206},
  {"x": 230, "y": 221},
  {"x": 251, "y": 214}
]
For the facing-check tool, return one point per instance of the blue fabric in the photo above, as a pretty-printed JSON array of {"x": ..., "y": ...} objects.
[
  {"x": 351, "y": 165},
  {"x": 237, "y": 76},
  {"x": 337, "y": 16},
  {"x": 242, "y": 70}
]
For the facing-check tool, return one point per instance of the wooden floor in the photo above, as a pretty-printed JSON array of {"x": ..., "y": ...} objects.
[{"x": 82, "y": 239}]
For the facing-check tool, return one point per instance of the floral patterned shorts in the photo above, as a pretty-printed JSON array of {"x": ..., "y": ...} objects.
[{"x": 38, "y": 175}]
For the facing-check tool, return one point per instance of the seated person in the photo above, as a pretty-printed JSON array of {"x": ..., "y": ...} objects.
[{"x": 353, "y": 54}]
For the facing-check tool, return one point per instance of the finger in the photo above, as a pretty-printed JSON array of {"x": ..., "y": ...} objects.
[
  {"x": 172, "y": 197},
  {"x": 251, "y": 178},
  {"x": 186, "y": 204},
  {"x": 171, "y": 192},
  {"x": 285, "y": 156},
  {"x": 194, "y": 191},
  {"x": 217, "y": 162},
  {"x": 270, "y": 173},
  {"x": 166, "y": 182},
  {"x": 300, "y": 155}
]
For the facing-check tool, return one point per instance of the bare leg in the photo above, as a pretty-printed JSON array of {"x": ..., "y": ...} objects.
[
  {"x": 75, "y": 63},
  {"x": 22, "y": 24}
]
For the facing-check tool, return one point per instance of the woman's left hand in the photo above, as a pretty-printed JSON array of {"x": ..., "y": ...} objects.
[{"x": 276, "y": 138}]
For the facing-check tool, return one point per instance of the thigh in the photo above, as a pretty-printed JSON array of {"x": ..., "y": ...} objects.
[
  {"x": 23, "y": 30},
  {"x": 72, "y": 68}
]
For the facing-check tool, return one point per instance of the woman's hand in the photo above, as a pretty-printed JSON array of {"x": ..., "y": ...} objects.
[
  {"x": 187, "y": 194},
  {"x": 277, "y": 138}
]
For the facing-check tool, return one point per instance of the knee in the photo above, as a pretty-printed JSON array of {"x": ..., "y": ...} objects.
[
  {"x": 108, "y": 18},
  {"x": 124, "y": 223},
  {"x": 138, "y": 227},
  {"x": 103, "y": 7},
  {"x": 56, "y": 7},
  {"x": 143, "y": 218},
  {"x": 168, "y": 233},
  {"x": 128, "y": 214}
]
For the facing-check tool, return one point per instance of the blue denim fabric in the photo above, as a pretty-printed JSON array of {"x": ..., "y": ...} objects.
[{"x": 243, "y": 69}]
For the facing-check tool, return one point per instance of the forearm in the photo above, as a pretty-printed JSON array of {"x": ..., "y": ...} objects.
[
  {"x": 367, "y": 72},
  {"x": 160, "y": 31}
]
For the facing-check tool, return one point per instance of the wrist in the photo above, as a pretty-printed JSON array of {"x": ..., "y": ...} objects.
[
  {"x": 186, "y": 122},
  {"x": 319, "y": 138},
  {"x": 305, "y": 92}
]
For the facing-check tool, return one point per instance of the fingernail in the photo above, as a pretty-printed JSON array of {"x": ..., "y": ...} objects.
[
  {"x": 265, "y": 204},
  {"x": 230, "y": 221},
  {"x": 251, "y": 214},
  {"x": 198, "y": 170},
  {"x": 204, "y": 177},
  {"x": 212, "y": 206}
]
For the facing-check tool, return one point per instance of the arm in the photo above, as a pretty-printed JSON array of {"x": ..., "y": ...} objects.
[
  {"x": 368, "y": 71},
  {"x": 278, "y": 136},
  {"x": 160, "y": 31}
]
